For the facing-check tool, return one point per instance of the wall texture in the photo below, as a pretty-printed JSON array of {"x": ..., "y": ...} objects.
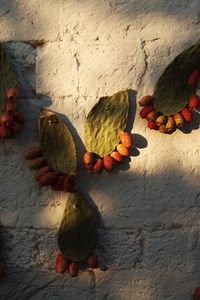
[{"x": 67, "y": 54}]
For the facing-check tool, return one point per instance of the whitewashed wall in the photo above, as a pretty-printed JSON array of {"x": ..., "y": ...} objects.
[{"x": 67, "y": 54}]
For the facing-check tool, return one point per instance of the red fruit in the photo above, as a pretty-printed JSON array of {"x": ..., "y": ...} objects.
[
  {"x": 152, "y": 116},
  {"x": 145, "y": 111},
  {"x": 32, "y": 153},
  {"x": 4, "y": 131},
  {"x": 68, "y": 185},
  {"x": 98, "y": 166},
  {"x": 122, "y": 150},
  {"x": 58, "y": 186},
  {"x": 126, "y": 139},
  {"x": 41, "y": 172},
  {"x": 73, "y": 269},
  {"x": 6, "y": 119},
  {"x": 187, "y": 115},
  {"x": 108, "y": 162},
  {"x": 19, "y": 117},
  {"x": 163, "y": 129},
  {"x": 194, "y": 78},
  {"x": 48, "y": 178},
  {"x": 117, "y": 156},
  {"x": 196, "y": 294},
  {"x": 93, "y": 261},
  {"x": 61, "y": 263},
  {"x": 12, "y": 94},
  {"x": 152, "y": 125},
  {"x": 37, "y": 163},
  {"x": 11, "y": 106},
  {"x": 2, "y": 270},
  {"x": 194, "y": 102},
  {"x": 146, "y": 100},
  {"x": 16, "y": 127},
  {"x": 88, "y": 160}
]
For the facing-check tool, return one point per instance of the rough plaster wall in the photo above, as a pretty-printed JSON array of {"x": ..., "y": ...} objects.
[{"x": 67, "y": 54}]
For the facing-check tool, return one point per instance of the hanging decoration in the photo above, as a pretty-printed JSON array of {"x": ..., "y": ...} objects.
[
  {"x": 105, "y": 140},
  {"x": 174, "y": 100},
  {"x": 11, "y": 120},
  {"x": 55, "y": 159}
]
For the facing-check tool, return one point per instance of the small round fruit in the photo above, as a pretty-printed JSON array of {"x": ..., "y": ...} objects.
[
  {"x": 6, "y": 119},
  {"x": 122, "y": 150},
  {"x": 108, "y": 162},
  {"x": 88, "y": 160},
  {"x": 98, "y": 166},
  {"x": 117, "y": 156},
  {"x": 61, "y": 262},
  {"x": 126, "y": 139},
  {"x": 12, "y": 94},
  {"x": 73, "y": 269},
  {"x": 152, "y": 125},
  {"x": 93, "y": 261}
]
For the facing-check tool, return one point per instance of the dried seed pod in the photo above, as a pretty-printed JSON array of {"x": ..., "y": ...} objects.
[
  {"x": 146, "y": 101},
  {"x": 145, "y": 111},
  {"x": 32, "y": 153},
  {"x": 48, "y": 178},
  {"x": 37, "y": 163},
  {"x": 126, "y": 139},
  {"x": 41, "y": 172}
]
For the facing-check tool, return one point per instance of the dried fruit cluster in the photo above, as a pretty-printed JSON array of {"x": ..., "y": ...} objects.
[
  {"x": 63, "y": 264},
  {"x": 11, "y": 120},
  {"x": 96, "y": 164},
  {"x": 158, "y": 121},
  {"x": 46, "y": 176}
]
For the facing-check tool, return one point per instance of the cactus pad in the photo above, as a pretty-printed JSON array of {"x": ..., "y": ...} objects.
[
  {"x": 7, "y": 75},
  {"x": 104, "y": 123},
  {"x": 172, "y": 91},
  {"x": 57, "y": 143},
  {"x": 77, "y": 235}
]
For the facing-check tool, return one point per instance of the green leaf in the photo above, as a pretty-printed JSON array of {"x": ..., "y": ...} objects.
[
  {"x": 57, "y": 143},
  {"x": 172, "y": 92},
  {"x": 104, "y": 123},
  {"x": 77, "y": 236},
  {"x": 7, "y": 75}
]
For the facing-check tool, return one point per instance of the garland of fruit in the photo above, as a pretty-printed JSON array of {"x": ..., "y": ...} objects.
[
  {"x": 105, "y": 139},
  {"x": 174, "y": 100},
  {"x": 11, "y": 120}
]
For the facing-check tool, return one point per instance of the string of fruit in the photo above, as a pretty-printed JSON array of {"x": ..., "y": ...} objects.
[
  {"x": 174, "y": 100},
  {"x": 55, "y": 163},
  {"x": 11, "y": 120},
  {"x": 105, "y": 139},
  {"x": 55, "y": 160}
]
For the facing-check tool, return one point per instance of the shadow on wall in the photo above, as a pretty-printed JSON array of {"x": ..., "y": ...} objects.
[{"x": 149, "y": 241}]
